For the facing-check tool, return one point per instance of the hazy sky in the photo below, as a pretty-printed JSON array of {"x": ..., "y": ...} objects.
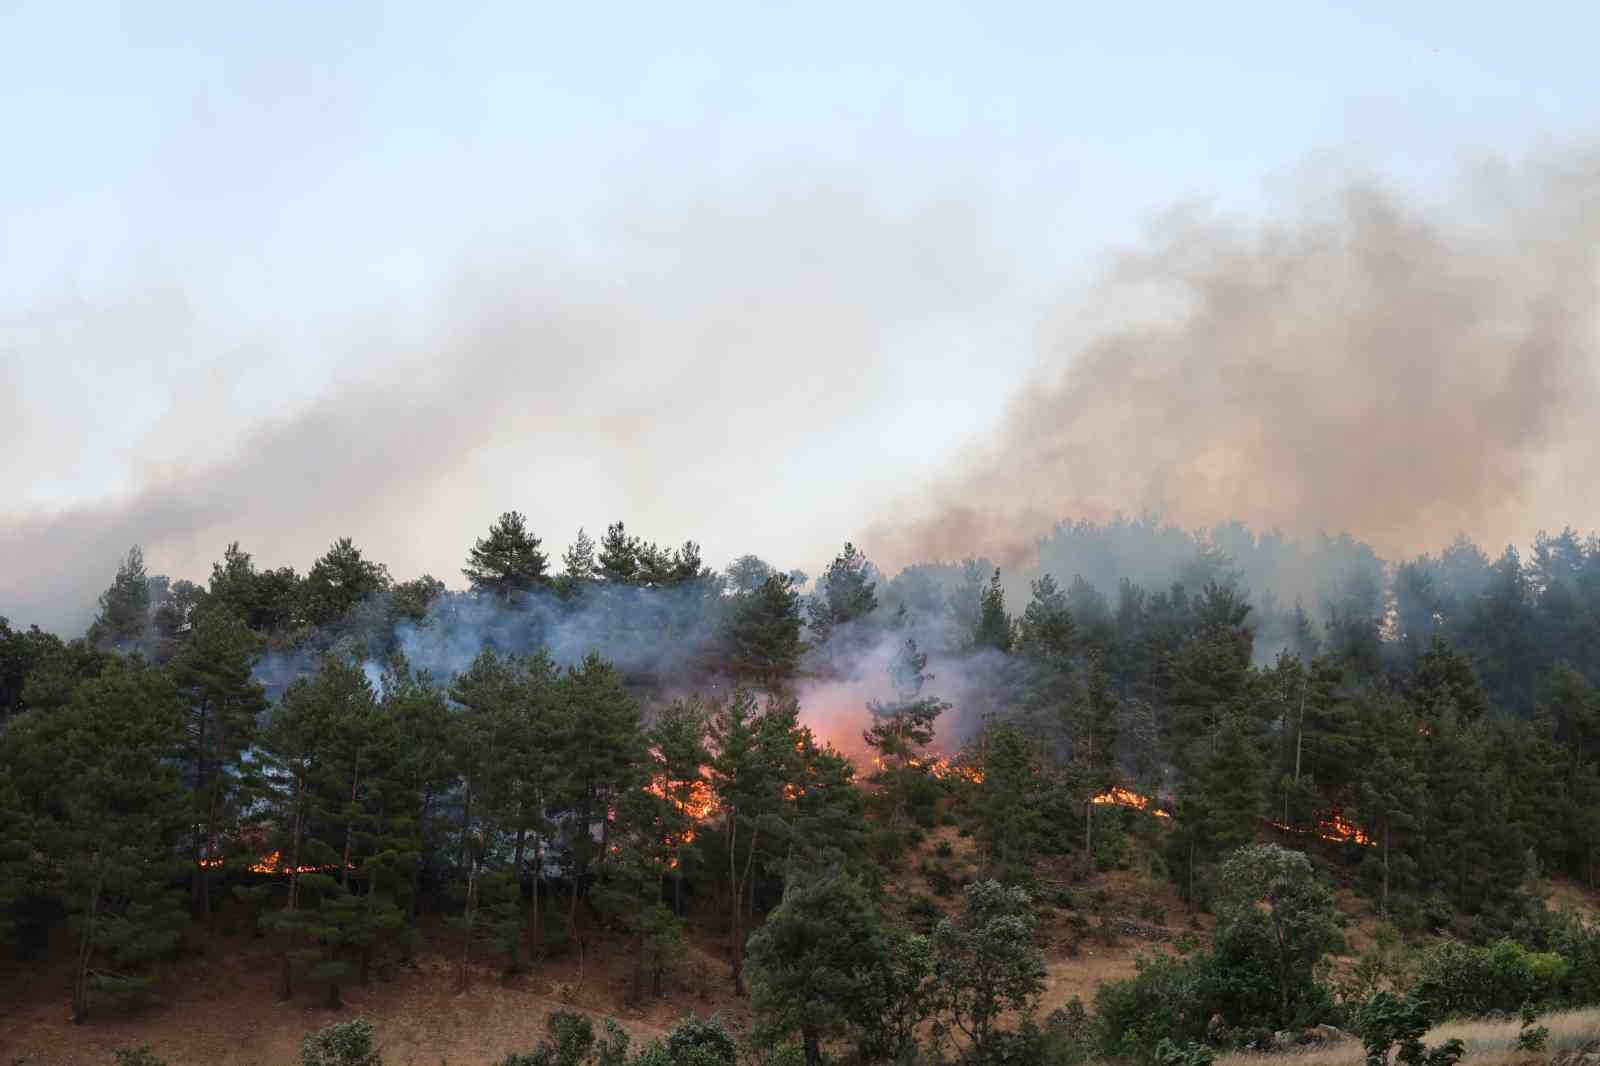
[{"x": 745, "y": 273}]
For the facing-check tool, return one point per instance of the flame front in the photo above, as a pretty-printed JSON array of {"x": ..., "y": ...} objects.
[
  {"x": 693, "y": 798},
  {"x": 1332, "y": 827},
  {"x": 1120, "y": 797}
]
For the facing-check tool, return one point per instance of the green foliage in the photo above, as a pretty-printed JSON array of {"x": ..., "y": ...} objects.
[
  {"x": 812, "y": 962},
  {"x": 568, "y": 1042},
  {"x": 1387, "y": 1021},
  {"x": 1532, "y": 1038},
  {"x": 693, "y": 1042},
  {"x": 507, "y": 564},
  {"x": 1460, "y": 980},
  {"x": 985, "y": 964},
  {"x": 1272, "y": 895},
  {"x": 137, "y": 1056},
  {"x": 1169, "y": 1053},
  {"x": 350, "y": 1043}
]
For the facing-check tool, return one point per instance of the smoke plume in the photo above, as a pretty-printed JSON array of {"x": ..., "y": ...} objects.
[{"x": 1369, "y": 362}]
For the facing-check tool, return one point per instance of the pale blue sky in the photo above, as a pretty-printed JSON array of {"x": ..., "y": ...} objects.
[{"x": 213, "y": 216}]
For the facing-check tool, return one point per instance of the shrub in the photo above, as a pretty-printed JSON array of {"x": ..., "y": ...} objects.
[
  {"x": 944, "y": 850},
  {"x": 570, "y": 1039},
  {"x": 1189, "y": 1054},
  {"x": 135, "y": 1056},
  {"x": 1456, "y": 979},
  {"x": 1387, "y": 1020},
  {"x": 923, "y": 913},
  {"x": 348, "y": 1043},
  {"x": 1532, "y": 1038}
]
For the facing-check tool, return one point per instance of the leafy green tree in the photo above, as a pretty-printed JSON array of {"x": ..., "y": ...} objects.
[
  {"x": 1277, "y": 891},
  {"x": 351, "y": 1043},
  {"x": 747, "y": 573},
  {"x": 693, "y": 1042},
  {"x": 812, "y": 962},
  {"x": 903, "y": 996},
  {"x": 507, "y": 564},
  {"x": 985, "y": 966}
]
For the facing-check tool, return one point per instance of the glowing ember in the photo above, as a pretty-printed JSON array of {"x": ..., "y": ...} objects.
[
  {"x": 1332, "y": 827},
  {"x": 1121, "y": 797},
  {"x": 209, "y": 864},
  {"x": 273, "y": 864}
]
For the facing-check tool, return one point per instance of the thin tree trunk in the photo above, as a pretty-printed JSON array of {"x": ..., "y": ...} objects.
[
  {"x": 469, "y": 917},
  {"x": 466, "y": 821},
  {"x": 1385, "y": 901},
  {"x": 733, "y": 897},
  {"x": 196, "y": 901},
  {"x": 350, "y": 827},
  {"x": 535, "y": 928},
  {"x": 1088, "y": 837},
  {"x": 813, "y": 1045},
  {"x": 297, "y": 826},
  {"x": 80, "y": 986}
]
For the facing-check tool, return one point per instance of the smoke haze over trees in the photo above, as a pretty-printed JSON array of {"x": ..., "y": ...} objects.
[{"x": 1362, "y": 361}]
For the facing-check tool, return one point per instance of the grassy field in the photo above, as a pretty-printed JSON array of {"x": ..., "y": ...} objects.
[{"x": 1488, "y": 1043}]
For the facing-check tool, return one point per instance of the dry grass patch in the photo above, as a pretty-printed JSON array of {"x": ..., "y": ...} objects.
[{"x": 1489, "y": 1043}]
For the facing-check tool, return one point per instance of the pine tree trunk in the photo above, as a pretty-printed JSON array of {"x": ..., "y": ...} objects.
[
  {"x": 469, "y": 917},
  {"x": 466, "y": 821},
  {"x": 350, "y": 827},
  {"x": 1088, "y": 837},
  {"x": 813, "y": 1045},
  {"x": 535, "y": 929},
  {"x": 197, "y": 898},
  {"x": 733, "y": 898},
  {"x": 1384, "y": 908},
  {"x": 80, "y": 984}
]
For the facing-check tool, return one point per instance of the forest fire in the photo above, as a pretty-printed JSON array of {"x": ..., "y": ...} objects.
[
  {"x": 1332, "y": 827},
  {"x": 693, "y": 798},
  {"x": 939, "y": 766},
  {"x": 1120, "y": 797},
  {"x": 273, "y": 864}
]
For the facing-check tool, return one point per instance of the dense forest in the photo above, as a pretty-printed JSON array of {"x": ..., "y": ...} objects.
[{"x": 567, "y": 755}]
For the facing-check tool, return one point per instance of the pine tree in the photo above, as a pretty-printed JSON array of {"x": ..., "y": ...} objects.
[
  {"x": 763, "y": 634},
  {"x": 507, "y": 564},
  {"x": 601, "y": 754},
  {"x": 846, "y": 594},
  {"x": 1008, "y": 803},
  {"x": 124, "y": 607},
  {"x": 578, "y": 567},
  {"x": 213, "y": 671},
  {"x": 339, "y": 581},
  {"x": 117, "y": 827},
  {"x": 994, "y": 625},
  {"x": 748, "y": 744}
]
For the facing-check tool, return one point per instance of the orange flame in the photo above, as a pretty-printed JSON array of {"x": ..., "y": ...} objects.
[
  {"x": 1121, "y": 797},
  {"x": 939, "y": 766},
  {"x": 1332, "y": 827}
]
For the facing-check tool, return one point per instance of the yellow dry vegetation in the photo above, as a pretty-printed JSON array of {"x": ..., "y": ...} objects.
[{"x": 1489, "y": 1043}]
